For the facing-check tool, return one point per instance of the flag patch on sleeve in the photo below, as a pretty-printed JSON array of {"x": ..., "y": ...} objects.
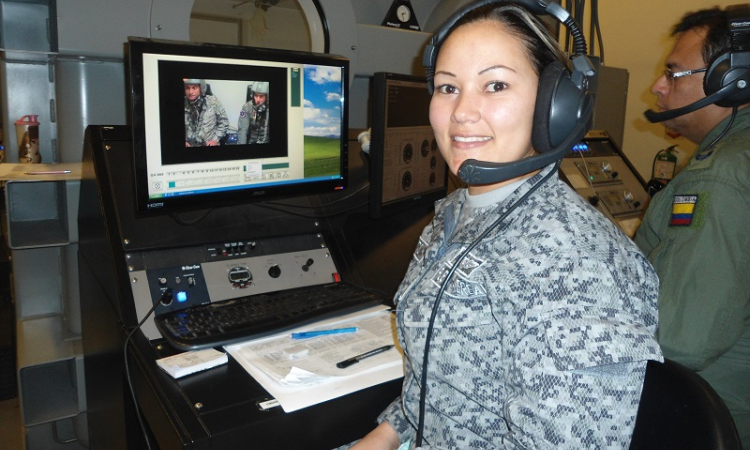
[{"x": 683, "y": 210}]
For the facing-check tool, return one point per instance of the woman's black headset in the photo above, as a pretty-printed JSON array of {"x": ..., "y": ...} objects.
[{"x": 564, "y": 104}]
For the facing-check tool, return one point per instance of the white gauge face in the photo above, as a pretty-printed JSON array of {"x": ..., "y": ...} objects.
[{"x": 404, "y": 13}]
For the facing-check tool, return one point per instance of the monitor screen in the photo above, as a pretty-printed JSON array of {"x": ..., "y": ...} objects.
[
  {"x": 217, "y": 125},
  {"x": 406, "y": 167}
]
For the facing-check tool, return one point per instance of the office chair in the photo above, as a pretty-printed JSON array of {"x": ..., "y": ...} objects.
[{"x": 680, "y": 410}]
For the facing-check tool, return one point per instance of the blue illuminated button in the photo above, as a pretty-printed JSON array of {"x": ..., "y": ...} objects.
[
  {"x": 580, "y": 147},
  {"x": 181, "y": 296}
]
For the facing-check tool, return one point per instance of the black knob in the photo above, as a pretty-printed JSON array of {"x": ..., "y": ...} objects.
[
  {"x": 166, "y": 297},
  {"x": 274, "y": 271}
]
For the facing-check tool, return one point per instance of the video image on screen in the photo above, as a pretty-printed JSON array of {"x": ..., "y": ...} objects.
[{"x": 206, "y": 120}]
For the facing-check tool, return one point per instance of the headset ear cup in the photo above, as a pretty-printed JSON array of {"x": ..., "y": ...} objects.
[
  {"x": 732, "y": 70},
  {"x": 562, "y": 109},
  {"x": 714, "y": 78},
  {"x": 544, "y": 120}
]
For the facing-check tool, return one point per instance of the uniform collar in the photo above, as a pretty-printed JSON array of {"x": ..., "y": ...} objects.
[
  {"x": 741, "y": 122},
  {"x": 458, "y": 205}
]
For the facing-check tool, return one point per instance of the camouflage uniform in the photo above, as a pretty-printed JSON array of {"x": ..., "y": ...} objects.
[
  {"x": 205, "y": 120},
  {"x": 543, "y": 333},
  {"x": 252, "y": 126}
]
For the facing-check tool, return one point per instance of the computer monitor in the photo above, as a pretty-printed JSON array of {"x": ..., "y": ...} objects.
[
  {"x": 224, "y": 145},
  {"x": 406, "y": 167}
]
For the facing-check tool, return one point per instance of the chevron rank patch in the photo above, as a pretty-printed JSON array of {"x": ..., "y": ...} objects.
[{"x": 683, "y": 210}]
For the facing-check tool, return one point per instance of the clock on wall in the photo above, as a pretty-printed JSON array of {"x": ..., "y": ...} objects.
[{"x": 401, "y": 15}]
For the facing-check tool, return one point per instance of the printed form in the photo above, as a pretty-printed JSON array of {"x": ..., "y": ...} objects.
[{"x": 303, "y": 372}]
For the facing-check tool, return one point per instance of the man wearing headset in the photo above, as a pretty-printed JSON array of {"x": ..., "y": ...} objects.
[
  {"x": 696, "y": 232},
  {"x": 252, "y": 126}
]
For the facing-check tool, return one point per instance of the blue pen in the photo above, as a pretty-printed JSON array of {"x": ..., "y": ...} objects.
[{"x": 312, "y": 334}]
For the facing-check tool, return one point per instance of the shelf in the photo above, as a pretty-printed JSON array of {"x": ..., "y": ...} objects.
[
  {"x": 28, "y": 25},
  {"x": 65, "y": 434},
  {"x": 28, "y": 88},
  {"x": 50, "y": 369},
  {"x": 43, "y": 340},
  {"x": 27, "y": 57},
  {"x": 40, "y": 213}
]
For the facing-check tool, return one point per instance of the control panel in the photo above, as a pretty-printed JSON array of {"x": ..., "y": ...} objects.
[
  {"x": 174, "y": 279},
  {"x": 600, "y": 173}
]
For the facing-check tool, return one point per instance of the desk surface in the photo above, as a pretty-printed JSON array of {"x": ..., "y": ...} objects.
[{"x": 218, "y": 409}]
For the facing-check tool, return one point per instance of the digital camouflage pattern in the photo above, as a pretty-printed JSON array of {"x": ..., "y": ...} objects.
[
  {"x": 205, "y": 120},
  {"x": 542, "y": 335}
]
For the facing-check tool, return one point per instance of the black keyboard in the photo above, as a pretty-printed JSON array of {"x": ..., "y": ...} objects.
[{"x": 237, "y": 320}]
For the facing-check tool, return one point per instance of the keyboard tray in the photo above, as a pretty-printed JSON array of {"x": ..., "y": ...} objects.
[{"x": 237, "y": 320}]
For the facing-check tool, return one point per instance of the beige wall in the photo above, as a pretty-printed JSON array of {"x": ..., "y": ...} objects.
[{"x": 636, "y": 37}]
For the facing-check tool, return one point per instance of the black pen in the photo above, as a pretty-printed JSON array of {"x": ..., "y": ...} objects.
[{"x": 354, "y": 360}]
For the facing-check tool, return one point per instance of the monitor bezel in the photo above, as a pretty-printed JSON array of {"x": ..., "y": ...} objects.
[{"x": 138, "y": 47}]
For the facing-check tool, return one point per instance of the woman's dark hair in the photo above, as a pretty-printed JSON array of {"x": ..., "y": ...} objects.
[{"x": 540, "y": 45}]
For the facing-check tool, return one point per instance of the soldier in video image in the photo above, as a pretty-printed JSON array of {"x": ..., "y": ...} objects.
[
  {"x": 206, "y": 121},
  {"x": 252, "y": 126}
]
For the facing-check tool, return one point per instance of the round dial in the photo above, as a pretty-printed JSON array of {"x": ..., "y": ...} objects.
[
  {"x": 404, "y": 13},
  {"x": 240, "y": 277},
  {"x": 408, "y": 153},
  {"x": 406, "y": 181}
]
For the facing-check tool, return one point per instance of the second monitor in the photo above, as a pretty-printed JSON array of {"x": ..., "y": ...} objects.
[{"x": 406, "y": 167}]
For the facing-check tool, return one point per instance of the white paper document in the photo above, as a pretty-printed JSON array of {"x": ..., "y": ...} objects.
[{"x": 302, "y": 372}]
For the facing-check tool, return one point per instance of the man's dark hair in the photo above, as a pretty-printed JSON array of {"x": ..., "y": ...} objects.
[{"x": 714, "y": 21}]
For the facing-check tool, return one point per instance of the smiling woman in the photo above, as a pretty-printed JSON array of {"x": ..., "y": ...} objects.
[
  {"x": 482, "y": 110},
  {"x": 521, "y": 303}
]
